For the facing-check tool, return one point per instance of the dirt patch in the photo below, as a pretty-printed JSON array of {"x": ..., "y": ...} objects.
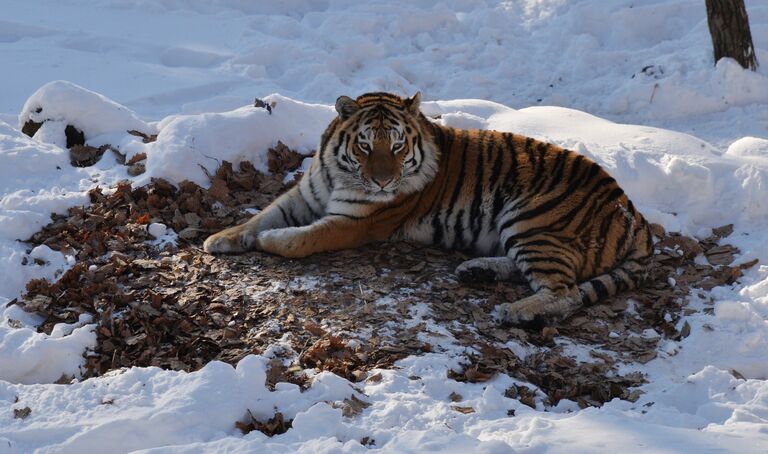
[{"x": 346, "y": 312}]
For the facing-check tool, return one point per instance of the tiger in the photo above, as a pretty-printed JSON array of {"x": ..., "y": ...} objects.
[{"x": 384, "y": 171}]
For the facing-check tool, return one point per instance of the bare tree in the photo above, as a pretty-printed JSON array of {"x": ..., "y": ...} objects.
[{"x": 729, "y": 27}]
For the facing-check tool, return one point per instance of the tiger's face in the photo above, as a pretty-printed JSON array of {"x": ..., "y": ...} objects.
[{"x": 383, "y": 149}]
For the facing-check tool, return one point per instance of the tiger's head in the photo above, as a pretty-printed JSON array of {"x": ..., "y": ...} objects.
[{"x": 383, "y": 145}]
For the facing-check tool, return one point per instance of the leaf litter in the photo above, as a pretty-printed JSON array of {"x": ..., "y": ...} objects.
[{"x": 347, "y": 312}]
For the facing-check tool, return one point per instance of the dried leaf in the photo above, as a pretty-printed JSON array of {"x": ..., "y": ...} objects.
[
  {"x": 353, "y": 406},
  {"x": 375, "y": 378},
  {"x": 723, "y": 231},
  {"x": 464, "y": 410}
]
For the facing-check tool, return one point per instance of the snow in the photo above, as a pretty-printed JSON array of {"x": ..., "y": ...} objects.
[
  {"x": 157, "y": 229},
  {"x": 629, "y": 83},
  {"x": 188, "y": 146},
  {"x": 63, "y": 103}
]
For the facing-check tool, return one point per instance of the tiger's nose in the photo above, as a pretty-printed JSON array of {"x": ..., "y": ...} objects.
[{"x": 382, "y": 182}]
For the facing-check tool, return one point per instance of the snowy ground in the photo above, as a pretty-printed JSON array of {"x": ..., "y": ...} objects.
[{"x": 631, "y": 63}]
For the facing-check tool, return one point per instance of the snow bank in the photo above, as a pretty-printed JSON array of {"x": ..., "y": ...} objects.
[
  {"x": 749, "y": 147},
  {"x": 27, "y": 356},
  {"x": 168, "y": 408},
  {"x": 36, "y": 180},
  {"x": 60, "y": 103},
  {"x": 188, "y": 144},
  {"x": 195, "y": 412}
]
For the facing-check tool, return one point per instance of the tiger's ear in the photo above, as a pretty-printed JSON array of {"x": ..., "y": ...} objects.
[
  {"x": 346, "y": 106},
  {"x": 412, "y": 104}
]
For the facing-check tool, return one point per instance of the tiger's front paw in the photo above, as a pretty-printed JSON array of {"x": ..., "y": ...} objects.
[
  {"x": 287, "y": 242},
  {"x": 230, "y": 241}
]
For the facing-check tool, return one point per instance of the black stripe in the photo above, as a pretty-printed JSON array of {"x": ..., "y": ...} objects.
[
  {"x": 294, "y": 221},
  {"x": 497, "y": 164},
  {"x": 529, "y": 150},
  {"x": 541, "y": 242},
  {"x": 539, "y": 178},
  {"x": 315, "y": 214},
  {"x": 421, "y": 152},
  {"x": 328, "y": 134},
  {"x": 545, "y": 259},
  {"x": 619, "y": 282},
  {"x": 458, "y": 231},
  {"x": 547, "y": 271},
  {"x": 312, "y": 191},
  {"x": 285, "y": 216},
  {"x": 511, "y": 176},
  {"x": 475, "y": 214},
  {"x": 584, "y": 296},
  {"x": 605, "y": 227},
  {"x": 498, "y": 204},
  {"x": 621, "y": 240},
  {"x": 348, "y": 216},
  {"x": 355, "y": 201},
  {"x": 437, "y": 230},
  {"x": 600, "y": 289},
  {"x": 575, "y": 168},
  {"x": 557, "y": 175},
  {"x": 342, "y": 138}
]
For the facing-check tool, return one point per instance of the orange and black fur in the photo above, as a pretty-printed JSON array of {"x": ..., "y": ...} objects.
[{"x": 384, "y": 171}]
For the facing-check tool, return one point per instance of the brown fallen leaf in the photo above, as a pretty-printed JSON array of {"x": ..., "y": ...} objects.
[
  {"x": 282, "y": 159},
  {"x": 353, "y": 406},
  {"x": 549, "y": 333},
  {"x": 375, "y": 378},
  {"x": 749, "y": 264},
  {"x": 274, "y": 426},
  {"x": 314, "y": 328},
  {"x": 146, "y": 138},
  {"x": 723, "y": 231},
  {"x": 219, "y": 190},
  {"x": 464, "y": 410},
  {"x": 138, "y": 157}
]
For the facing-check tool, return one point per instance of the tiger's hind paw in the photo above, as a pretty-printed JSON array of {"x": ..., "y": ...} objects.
[
  {"x": 537, "y": 308},
  {"x": 514, "y": 314}
]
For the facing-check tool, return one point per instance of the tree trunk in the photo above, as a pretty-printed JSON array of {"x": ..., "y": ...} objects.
[{"x": 729, "y": 27}]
